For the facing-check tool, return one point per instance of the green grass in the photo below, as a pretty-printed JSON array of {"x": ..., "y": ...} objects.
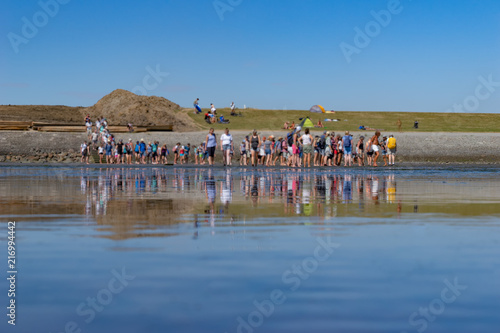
[{"x": 350, "y": 121}]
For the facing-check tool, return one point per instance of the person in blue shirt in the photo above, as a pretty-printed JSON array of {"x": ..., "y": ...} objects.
[
  {"x": 142, "y": 149},
  {"x": 347, "y": 145},
  {"x": 109, "y": 152}
]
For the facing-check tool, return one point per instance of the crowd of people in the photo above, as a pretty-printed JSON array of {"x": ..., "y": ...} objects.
[
  {"x": 304, "y": 150},
  {"x": 293, "y": 150}
]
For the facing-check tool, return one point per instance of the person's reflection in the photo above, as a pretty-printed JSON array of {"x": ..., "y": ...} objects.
[
  {"x": 195, "y": 235},
  {"x": 375, "y": 189},
  {"x": 391, "y": 189},
  {"x": 211, "y": 192},
  {"x": 347, "y": 189},
  {"x": 254, "y": 191},
  {"x": 361, "y": 193},
  {"x": 226, "y": 192}
]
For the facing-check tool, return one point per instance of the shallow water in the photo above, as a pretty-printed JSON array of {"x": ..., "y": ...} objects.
[{"x": 244, "y": 250}]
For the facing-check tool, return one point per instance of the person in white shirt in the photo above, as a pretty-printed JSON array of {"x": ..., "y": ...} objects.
[
  {"x": 306, "y": 141},
  {"x": 89, "y": 129},
  {"x": 213, "y": 110},
  {"x": 85, "y": 152},
  {"x": 95, "y": 136},
  {"x": 232, "y": 108},
  {"x": 226, "y": 141}
]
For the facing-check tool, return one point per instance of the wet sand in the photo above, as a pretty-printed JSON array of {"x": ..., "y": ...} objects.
[{"x": 427, "y": 147}]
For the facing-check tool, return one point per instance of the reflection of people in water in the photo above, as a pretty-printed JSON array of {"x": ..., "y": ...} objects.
[
  {"x": 299, "y": 193},
  {"x": 374, "y": 189},
  {"x": 347, "y": 189},
  {"x": 391, "y": 189}
]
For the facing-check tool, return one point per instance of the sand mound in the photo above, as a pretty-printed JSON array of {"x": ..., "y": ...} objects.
[{"x": 121, "y": 107}]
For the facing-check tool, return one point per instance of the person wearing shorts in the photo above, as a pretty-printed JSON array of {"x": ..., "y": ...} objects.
[
  {"x": 375, "y": 148},
  {"x": 85, "y": 152},
  {"x": 347, "y": 148},
  {"x": 391, "y": 153},
  {"x": 109, "y": 149},
  {"x": 226, "y": 141},
  {"x": 211, "y": 144}
]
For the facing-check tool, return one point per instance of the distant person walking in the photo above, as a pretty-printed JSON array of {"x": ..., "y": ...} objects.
[
  {"x": 211, "y": 145},
  {"x": 213, "y": 110},
  {"x": 400, "y": 124},
  {"x": 233, "y": 107},
  {"x": 196, "y": 105}
]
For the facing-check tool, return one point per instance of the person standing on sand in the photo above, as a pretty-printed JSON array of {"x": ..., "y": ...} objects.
[
  {"x": 119, "y": 151},
  {"x": 383, "y": 146},
  {"x": 391, "y": 149},
  {"x": 295, "y": 148},
  {"x": 85, "y": 152},
  {"x": 375, "y": 147},
  {"x": 88, "y": 124},
  {"x": 137, "y": 152},
  {"x": 360, "y": 151},
  {"x": 187, "y": 150},
  {"x": 101, "y": 153},
  {"x": 176, "y": 150},
  {"x": 203, "y": 153},
  {"x": 142, "y": 148},
  {"x": 109, "y": 151},
  {"x": 306, "y": 141},
  {"x": 226, "y": 143},
  {"x": 128, "y": 149},
  {"x": 211, "y": 144},
  {"x": 248, "y": 149},
  {"x": 369, "y": 152},
  {"x": 243, "y": 153},
  {"x": 347, "y": 145},
  {"x": 255, "y": 144}
]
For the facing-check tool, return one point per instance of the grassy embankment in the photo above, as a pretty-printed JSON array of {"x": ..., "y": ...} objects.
[{"x": 350, "y": 121}]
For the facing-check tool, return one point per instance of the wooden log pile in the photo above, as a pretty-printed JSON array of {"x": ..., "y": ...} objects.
[{"x": 6, "y": 125}]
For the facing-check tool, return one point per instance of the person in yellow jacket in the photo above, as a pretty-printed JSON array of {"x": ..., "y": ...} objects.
[{"x": 391, "y": 149}]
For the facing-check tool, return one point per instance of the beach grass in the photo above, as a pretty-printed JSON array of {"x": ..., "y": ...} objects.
[{"x": 351, "y": 120}]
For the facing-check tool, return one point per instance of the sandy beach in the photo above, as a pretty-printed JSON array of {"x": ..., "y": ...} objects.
[{"x": 431, "y": 147}]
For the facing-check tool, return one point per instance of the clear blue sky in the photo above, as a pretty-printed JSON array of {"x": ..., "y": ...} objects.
[{"x": 263, "y": 53}]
